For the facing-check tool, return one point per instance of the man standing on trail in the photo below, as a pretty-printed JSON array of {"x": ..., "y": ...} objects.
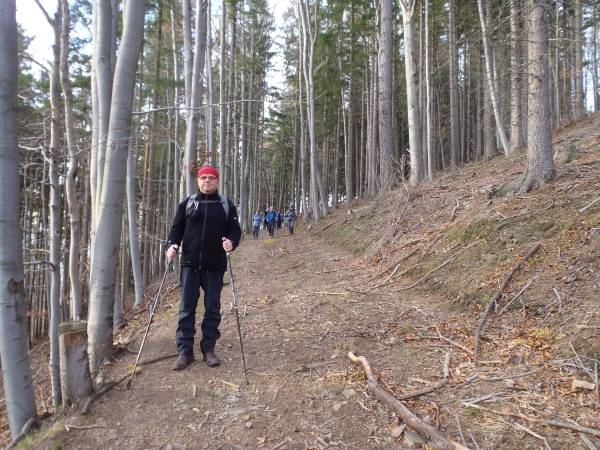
[
  {"x": 271, "y": 217},
  {"x": 290, "y": 217},
  {"x": 207, "y": 223},
  {"x": 256, "y": 221}
]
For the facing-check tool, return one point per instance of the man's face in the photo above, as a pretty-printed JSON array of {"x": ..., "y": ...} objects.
[{"x": 208, "y": 184}]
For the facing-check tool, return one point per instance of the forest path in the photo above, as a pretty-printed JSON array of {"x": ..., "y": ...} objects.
[{"x": 298, "y": 324}]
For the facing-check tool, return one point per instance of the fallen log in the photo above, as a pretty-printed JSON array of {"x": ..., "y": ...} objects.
[
  {"x": 497, "y": 295},
  {"x": 437, "y": 439}
]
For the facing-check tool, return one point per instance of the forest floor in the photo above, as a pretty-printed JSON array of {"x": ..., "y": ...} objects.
[{"x": 402, "y": 280}]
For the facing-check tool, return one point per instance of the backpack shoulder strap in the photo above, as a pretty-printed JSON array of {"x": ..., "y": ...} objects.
[{"x": 225, "y": 204}]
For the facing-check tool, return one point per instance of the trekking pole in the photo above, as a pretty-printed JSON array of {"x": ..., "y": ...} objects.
[
  {"x": 152, "y": 311},
  {"x": 237, "y": 315}
]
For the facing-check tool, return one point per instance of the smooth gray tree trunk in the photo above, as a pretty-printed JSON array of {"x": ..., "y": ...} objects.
[
  {"x": 223, "y": 97},
  {"x": 483, "y": 15},
  {"x": 102, "y": 57},
  {"x": 412, "y": 91},
  {"x": 134, "y": 241},
  {"x": 176, "y": 98},
  {"x": 106, "y": 245},
  {"x": 210, "y": 94},
  {"x": 428, "y": 101},
  {"x": 309, "y": 38},
  {"x": 55, "y": 214},
  {"x": 16, "y": 370},
  {"x": 70, "y": 187},
  {"x": 193, "y": 113}
]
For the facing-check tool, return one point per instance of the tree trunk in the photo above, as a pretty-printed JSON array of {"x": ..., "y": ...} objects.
[
  {"x": 412, "y": 89},
  {"x": 210, "y": 121},
  {"x": 70, "y": 186},
  {"x": 453, "y": 68},
  {"x": 386, "y": 99},
  {"x": 104, "y": 79},
  {"x": 578, "y": 43},
  {"x": 428, "y": 100},
  {"x": 223, "y": 97},
  {"x": 516, "y": 112},
  {"x": 134, "y": 242},
  {"x": 484, "y": 20},
  {"x": 349, "y": 148},
  {"x": 76, "y": 383},
  {"x": 16, "y": 371},
  {"x": 309, "y": 38},
  {"x": 54, "y": 237},
  {"x": 540, "y": 161},
  {"x": 108, "y": 232},
  {"x": 191, "y": 134},
  {"x": 176, "y": 198}
]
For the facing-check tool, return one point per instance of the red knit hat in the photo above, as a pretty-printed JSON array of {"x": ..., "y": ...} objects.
[{"x": 208, "y": 170}]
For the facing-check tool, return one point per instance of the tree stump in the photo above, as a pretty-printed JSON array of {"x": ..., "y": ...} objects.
[{"x": 75, "y": 379}]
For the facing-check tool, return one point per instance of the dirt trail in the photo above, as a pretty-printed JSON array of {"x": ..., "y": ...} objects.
[
  {"x": 299, "y": 323},
  {"x": 304, "y": 305}
]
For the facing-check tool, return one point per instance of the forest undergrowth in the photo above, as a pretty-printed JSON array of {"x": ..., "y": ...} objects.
[{"x": 405, "y": 281}]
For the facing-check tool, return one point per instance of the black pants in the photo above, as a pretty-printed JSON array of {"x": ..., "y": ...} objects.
[
  {"x": 271, "y": 228},
  {"x": 211, "y": 282},
  {"x": 255, "y": 230}
]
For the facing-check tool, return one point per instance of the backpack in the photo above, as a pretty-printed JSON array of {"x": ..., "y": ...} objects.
[{"x": 193, "y": 202}]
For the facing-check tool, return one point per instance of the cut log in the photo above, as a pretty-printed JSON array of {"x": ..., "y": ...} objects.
[{"x": 75, "y": 379}]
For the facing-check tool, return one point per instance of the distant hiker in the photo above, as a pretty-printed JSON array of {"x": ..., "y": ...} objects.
[
  {"x": 271, "y": 218},
  {"x": 279, "y": 220},
  {"x": 290, "y": 218},
  {"x": 207, "y": 223},
  {"x": 256, "y": 221}
]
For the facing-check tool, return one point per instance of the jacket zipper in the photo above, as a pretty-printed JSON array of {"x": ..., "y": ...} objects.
[{"x": 203, "y": 229}]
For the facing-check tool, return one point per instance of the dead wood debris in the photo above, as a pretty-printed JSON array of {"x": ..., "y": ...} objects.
[
  {"x": 433, "y": 387},
  {"x": 438, "y": 440},
  {"x": 86, "y": 405},
  {"x": 546, "y": 422},
  {"x": 496, "y": 296},
  {"x": 449, "y": 260}
]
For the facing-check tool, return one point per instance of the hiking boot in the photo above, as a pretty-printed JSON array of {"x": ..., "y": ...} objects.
[
  {"x": 183, "y": 361},
  {"x": 211, "y": 359}
]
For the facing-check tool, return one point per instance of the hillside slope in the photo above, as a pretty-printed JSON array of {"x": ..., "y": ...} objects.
[{"x": 402, "y": 280}]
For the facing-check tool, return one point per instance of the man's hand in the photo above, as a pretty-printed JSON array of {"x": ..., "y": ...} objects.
[
  {"x": 227, "y": 245},
  {"x": 172, "y": 252}
]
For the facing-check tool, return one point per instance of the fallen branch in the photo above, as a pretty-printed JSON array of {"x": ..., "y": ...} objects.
[
  {"x": 433, "y": 387},
  {"x": 549, "y": 423},
  {"x": 496, "y": 296},
  {"x": 325, "y": 227},
  {"x": 438, "y": 440},
  {"x": 534, "y": 434},
  {"x": 454, "y": 211},
  {"x": 585, "y": 208},
  {"x": 86, "y": 405},
  {"x": 449, "y": 260},
  {"x": 523, "y": 289},
  {"x": 69, "y": 427}
]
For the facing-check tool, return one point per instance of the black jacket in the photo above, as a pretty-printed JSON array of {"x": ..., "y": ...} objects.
[{"x": 202, "y": 228}]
